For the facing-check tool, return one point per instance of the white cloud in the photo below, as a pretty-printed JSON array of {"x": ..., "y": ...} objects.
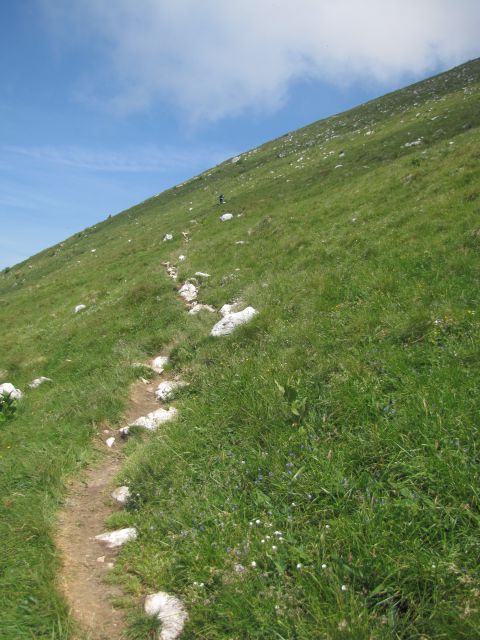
[{"x": 216, "y": 58}]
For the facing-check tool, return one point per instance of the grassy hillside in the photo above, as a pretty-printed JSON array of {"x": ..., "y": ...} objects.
[{"x": 333, "y": 441}]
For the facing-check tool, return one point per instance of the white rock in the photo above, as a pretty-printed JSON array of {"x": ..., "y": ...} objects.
[
  {"x": 167, "y": 236},
  {"x": 240, "y": 242},
  {"x": 181, "y": 258},
  {"x": 200, "y": 307},
  {"x": 80, "y": 307},
  {"x": 152, "y": 420},
  {"x": 230, "y": 321},
  {"x": 226, "y": 216},
  {"x": 201, "y": 274},
  {"x": 236, "y": 159},
  {"x": 414, "y": 143},
  {"x": 110, "y": 442},
  {"x": 121, "y": 494},
  {"x": 116, "y": 538},
  {"x": 166, "y": 389},
  {"x": 7, "y": 389},
  {"x": 159, "y": 363},
  {"x": 38, "y": 381},
  {"x": 188, "y": 291},
  {"x": 170, "y": 611},
  {"x": 229, "y": 308}
]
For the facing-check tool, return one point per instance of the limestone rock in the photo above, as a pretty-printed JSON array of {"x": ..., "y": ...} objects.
[
  {"x": 226, "y": 216},
  {"x": 80, "y": 307},
  {"x": 200, "y": 307},
  {"x": 167, "y": 389},
  {"x": 188, "y": 291},
  {"x": 7, "y": 389},
  {"x": 230, "y": 321},
  {"x": 152, "y": 420},
  {"x": 110, "y": 442},
  {"x": 159, "y": 363},
  {"x": 167, "y": 236},
  {"x": 117, "y": 538},
  {"x": 121, "y": 494},
  {"x": 170, "y": 611},
  {"x": 38, "y": 381}
]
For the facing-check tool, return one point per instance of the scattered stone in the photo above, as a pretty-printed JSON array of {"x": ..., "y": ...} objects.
[
  {"x": 159, "y": 363},
  {"x": 152, "y": 420},
  {"x": 236, "y": 159},
  {"x": 167, "y": 236},
  {"x": 240, "y": 242},
  {"x": 171, "y": 270},
  {"x": 181, "y": 258},
  {"x": 80, "y": 307},
  {"x": 226, "y": 216},
  {"x": 170, "y": 611},
  {"x": 121, "y": 494},
  {"x": 414, "y": 143},
  {"x": 338, "y": 166},
  {"x": 239, "y": 568},
  {"x": 7, "y": 389},
  {"x": 200, "y": 307},
  {"x": 229, "y": 308},
  {"x": 201, "y": 274},
  {"x": 110, "y": 442},
  {"x": 117, "y": 538},
  {"x": 166, "y": 389},
  {"x": 38, "y": 381},
  {"x": 188, "y": 291},
  {"x": 101, "y": 559},
  {"x": 230, "y": 321}
]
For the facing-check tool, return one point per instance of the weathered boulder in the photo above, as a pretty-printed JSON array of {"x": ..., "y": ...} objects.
[
  {"x": 166, "y": 390},
  {"x": 7, "y": 389},
  {"x": 117, "y": 538},
  {"x": 38, "y": 381},
  {"x": 188, "y": 291},
  {"x": 152, "y": 420},
  {"x": 230, "y": 321},
  {"x": 170, "y": 611},
  {"x": 121, "y": 494},
  {"x": 158, "y": 364}
]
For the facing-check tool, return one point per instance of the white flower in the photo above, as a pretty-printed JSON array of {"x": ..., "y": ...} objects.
[
  {"x": 274, "y": 548},
  {"x": 324, "y": 566},
  {"x": 253, "y": 564},
  {"x": 344, "y": 587},
  {"x": 258, "y": 522},
  {"x": 299, "y": 565}
]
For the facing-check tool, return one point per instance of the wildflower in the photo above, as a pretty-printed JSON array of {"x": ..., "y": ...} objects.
[
  {"x": 324, "y": 566},
  {"x": 299, "y": 565},
  {"x": 258, "y": 522},
  {"x": 253, "y": 564},
  {"x": 344, "y": 587},
  {"x": 262, "y": 540},
  {"x": 274, "y": 548}
]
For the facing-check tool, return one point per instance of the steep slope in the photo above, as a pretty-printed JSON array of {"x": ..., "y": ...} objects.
[{"x": 322, "y": 479}]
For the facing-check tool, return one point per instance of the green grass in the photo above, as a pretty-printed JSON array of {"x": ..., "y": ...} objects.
[{"x": 344, "y": 416}]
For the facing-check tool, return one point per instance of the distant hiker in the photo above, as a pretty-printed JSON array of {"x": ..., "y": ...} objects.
[{"x": 221, "y": 199}]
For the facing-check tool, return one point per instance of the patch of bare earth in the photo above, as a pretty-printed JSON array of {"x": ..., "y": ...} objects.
[{"x": 84, "y": 560}]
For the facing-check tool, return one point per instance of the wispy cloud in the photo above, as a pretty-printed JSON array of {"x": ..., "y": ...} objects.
[
  {"x": 133, "y": 160},
  {"x": 214, "y": 58}
]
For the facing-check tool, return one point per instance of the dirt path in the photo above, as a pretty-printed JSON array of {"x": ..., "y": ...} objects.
[{"x": 88, "y": 505}]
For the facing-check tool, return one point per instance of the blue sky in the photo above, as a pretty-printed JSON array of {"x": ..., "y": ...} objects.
[{"x": 103, "y": 104}]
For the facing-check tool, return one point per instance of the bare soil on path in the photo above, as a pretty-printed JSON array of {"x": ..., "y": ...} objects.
[{"x": 87, "y": 505}]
